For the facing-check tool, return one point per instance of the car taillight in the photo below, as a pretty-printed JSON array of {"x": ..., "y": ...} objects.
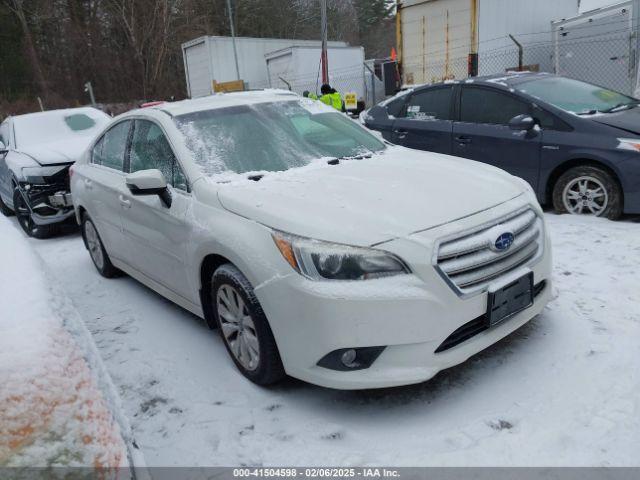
[{"x": 70, "y": 172}]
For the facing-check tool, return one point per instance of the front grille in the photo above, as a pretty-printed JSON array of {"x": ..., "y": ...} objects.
[
  {"x": 470, "y": 263},
  {"x": 477, "y": 325}
]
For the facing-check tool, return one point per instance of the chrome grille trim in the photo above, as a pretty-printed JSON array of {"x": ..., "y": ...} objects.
[{"x": 468, "y": 264}]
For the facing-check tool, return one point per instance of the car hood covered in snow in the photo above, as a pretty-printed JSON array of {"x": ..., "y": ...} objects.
[
  {"x": 63, "y": 151},
  {"x": 368, "y": 201}
]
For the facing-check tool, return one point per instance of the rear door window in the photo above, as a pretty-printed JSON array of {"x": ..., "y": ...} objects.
[
  {"x": 484, "y": 105},
  {"x": 110, "y": 149},
  {"x": 431, "y": 104}
]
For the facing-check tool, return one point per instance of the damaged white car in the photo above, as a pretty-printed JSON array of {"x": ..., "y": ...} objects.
[
  {"x": 317, "y": 249},
  {"x": 36, "y": 150}
]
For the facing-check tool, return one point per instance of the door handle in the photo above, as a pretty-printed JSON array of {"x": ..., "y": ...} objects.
[
  {"x": 463, "y": 139},
  {"x": 401, "y": 134},
  {"x": 124, "y": 202},
  {"x": 88, "y": 184}
]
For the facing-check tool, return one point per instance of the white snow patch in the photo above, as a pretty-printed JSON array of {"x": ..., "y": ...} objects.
[{"x": 52, "y": 409}]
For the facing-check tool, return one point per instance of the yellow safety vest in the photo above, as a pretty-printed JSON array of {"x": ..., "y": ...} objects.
[{"x": 333, "y": 100}]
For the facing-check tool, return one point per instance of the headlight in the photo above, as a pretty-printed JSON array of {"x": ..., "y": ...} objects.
[
  {"x": 629, "y": 144},
  {"x": 320, "y": 260},
  {"x": 39, "y": 175}
]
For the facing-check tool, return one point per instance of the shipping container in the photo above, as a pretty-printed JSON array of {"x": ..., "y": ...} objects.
[
  {"x": 436, "y": 37},
  {"x": 210, "y": 59},
  {"x": 298, "y": 69}
]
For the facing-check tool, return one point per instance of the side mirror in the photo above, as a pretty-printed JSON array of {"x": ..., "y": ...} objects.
[
  {"x": 522, "y": 122},
  {"x": 3, "y": 148},
  {"x": 149, "y": 182}
]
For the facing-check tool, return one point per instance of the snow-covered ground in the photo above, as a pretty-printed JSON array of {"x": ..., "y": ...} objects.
[
  {"x": 57, "y": 406},
  {"x": 563, "y": 390}
]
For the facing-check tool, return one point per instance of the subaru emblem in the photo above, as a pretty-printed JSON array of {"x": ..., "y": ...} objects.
[{"x": 503, "y": 242}]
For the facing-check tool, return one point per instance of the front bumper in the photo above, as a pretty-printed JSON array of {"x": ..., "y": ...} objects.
[
  {"x": 411, "y": 315},
  {"x": 46, "y": 191},
  {"x": 59, "y": 216}
]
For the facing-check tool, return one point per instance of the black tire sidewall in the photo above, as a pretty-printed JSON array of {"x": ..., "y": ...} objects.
[
  {"x": 614, "y": 192},
  {"x": 36, "y": 231},
  {"x": 6, "y": 211},
  {"x": 270, "y": 369},
  {"x": 107, "y": 270}
]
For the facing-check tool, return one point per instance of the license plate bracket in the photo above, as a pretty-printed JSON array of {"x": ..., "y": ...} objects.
[{"x": 510, "y": 299}]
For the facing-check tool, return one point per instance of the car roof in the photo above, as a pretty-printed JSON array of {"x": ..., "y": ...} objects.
[
  {"x": 58, "y": 113},
  {"x": 502, "y": 79},
  {"x": 222, "y": 100}
]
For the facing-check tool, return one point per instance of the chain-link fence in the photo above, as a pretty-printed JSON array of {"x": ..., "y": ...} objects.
[{"x": 604, "y": 58}]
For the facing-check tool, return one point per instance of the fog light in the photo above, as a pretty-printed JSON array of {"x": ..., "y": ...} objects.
[{"x": 348, "y": 357}]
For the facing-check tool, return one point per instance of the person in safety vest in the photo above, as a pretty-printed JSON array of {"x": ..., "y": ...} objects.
[
  {"x": 307, "y": 94},
  {"x": 331, "y": 97}
]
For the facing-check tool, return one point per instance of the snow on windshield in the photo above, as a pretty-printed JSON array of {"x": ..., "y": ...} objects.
[
  {"x": 270, "y": 137},
  {"x": 56, "y": 125}
]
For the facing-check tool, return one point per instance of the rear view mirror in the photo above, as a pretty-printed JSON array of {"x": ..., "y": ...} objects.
[
  {"x": 3, "y": 148},
  {"x": 522, "y": 122},
  {"x": 149, "y": 182}
]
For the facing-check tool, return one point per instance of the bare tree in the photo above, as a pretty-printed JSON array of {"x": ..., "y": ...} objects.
[{"x": 17, "y": 7}]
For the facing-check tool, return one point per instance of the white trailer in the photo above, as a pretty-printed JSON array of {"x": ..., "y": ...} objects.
[
  {"x": 210, "y": 59},
  {"x": 298, "y": 69},
  {"x": 599, "y": 46}
]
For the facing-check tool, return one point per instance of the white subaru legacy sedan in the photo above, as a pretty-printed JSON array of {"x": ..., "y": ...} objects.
[{"x": 317, "y": 249}]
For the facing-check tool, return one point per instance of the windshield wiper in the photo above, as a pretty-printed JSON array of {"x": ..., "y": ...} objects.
[
  {"x": 587, "y": 112},
  {"x": 620, "y": 106},
  {"x": 337, "y": 160}
]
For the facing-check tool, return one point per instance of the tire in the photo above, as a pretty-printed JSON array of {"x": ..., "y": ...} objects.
[
  {"x": 94, "y": 245},
  {"x": 257, "y": 359},
  {"x": 588, "y": 190},
  {"x": 23, "y": 213},
  {"x": 6, "y": 211}
]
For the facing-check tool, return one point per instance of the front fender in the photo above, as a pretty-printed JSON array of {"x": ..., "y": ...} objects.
[
  {"x": 16, "y": 161},
  {"x": 244, "y": 242}
]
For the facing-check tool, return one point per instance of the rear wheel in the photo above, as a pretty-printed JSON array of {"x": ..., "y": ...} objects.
[
  {"x": 96, "y": 249},
  {"x": 25, "y": 219},
  {"x": 588, "y": 190},
  {"x": 244, "y": 327}
]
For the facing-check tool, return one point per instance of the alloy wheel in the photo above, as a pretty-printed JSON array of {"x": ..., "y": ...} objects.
[
  {"x": 238, "y": 328},
  {"x": 93, "y": 244},
  {"x": 585, "y": 195}
]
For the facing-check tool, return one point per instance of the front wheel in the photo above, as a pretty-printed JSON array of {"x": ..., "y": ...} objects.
[
  {"x": 25, "y": 219},
  {"x": 6, "y": 211},
  {"x": 588, "y": 190},
  {"x": 244, "y": 327}
]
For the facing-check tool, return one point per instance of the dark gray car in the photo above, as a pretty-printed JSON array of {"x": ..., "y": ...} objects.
[{"x": 577, "y": 144}]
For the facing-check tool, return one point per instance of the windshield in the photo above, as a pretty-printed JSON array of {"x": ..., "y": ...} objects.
[
  {"x": 271, "y": 137},
  {"x": 54, "y": 126},
  {"x": 575, "y": 96}
]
